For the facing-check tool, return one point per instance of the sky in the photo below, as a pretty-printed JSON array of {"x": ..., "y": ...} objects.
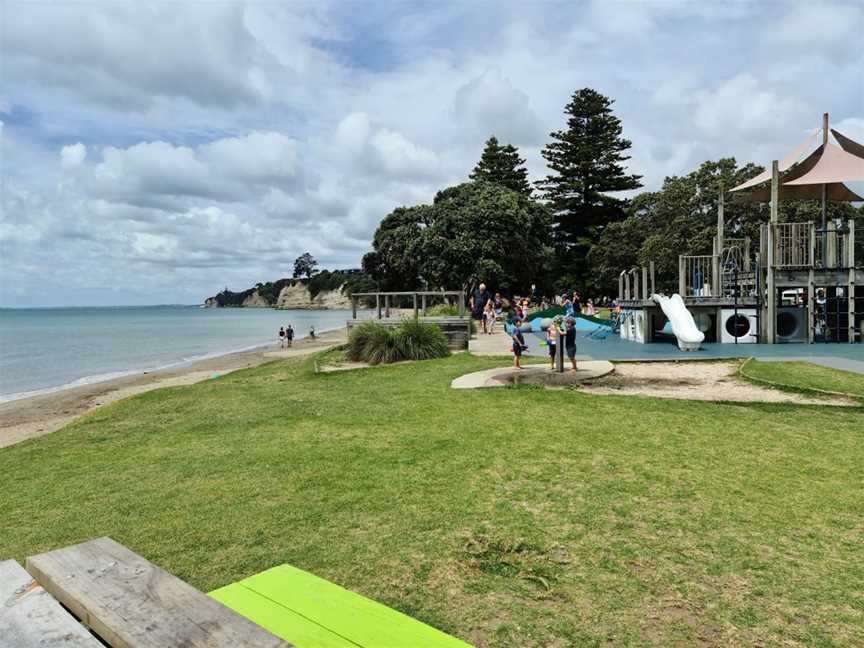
[{"x": 157, "y": 152}]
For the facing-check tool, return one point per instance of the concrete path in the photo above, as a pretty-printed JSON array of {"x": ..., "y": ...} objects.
[
  {"x": 533, "y": 374},
  {"x": 497, "y": 344}
]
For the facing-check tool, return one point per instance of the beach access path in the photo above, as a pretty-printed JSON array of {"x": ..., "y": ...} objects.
[{"x": 27, "y": 418}]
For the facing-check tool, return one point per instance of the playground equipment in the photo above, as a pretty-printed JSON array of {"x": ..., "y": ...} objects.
[
  {"x": 683, "y": 325},
  {"x": 800, "y": 282}
]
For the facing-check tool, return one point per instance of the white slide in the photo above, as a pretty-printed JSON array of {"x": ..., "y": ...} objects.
[{"x": 685, "y": 329}]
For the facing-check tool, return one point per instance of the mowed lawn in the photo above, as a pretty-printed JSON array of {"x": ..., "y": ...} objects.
[{"x": 507, "y": 517}]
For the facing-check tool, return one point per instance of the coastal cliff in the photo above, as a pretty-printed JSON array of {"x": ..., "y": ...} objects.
[{"x": 325, "y": 290}]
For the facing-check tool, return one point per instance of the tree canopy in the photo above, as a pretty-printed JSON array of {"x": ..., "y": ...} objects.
[
  {"x": 587, "y": 163},
  {"x": 304, "y": 266},
  {"x": 502, "y": 165},
  {"x": 473, "y": 232}
]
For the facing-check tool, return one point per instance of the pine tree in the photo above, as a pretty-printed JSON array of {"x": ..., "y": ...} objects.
[
  {"x": 587, "y": 162},
  {"x": 502, "y": 165}
]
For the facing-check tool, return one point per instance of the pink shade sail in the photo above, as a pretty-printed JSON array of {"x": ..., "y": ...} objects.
[
  {"x": 835, "y": 192},
  {"x": 834, "y": 165},
  {"x": 848, "y": 145},
  {"x": 784, "y": 164}
]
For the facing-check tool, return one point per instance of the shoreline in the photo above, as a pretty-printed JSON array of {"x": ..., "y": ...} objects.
[{"x": 40, "y": 414}]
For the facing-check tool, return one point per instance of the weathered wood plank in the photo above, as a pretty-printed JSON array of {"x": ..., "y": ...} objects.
[
  {"x": 30, "y": 617},
  {"x": 132, "y": 603}
]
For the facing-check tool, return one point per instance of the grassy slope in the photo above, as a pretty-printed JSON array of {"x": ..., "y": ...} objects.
[
  {"x": 506, "y": 517},
  {"x": 804, "y": 375}
]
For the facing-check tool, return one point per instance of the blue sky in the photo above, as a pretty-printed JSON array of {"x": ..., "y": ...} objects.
[{"x": 155, "y": 152}]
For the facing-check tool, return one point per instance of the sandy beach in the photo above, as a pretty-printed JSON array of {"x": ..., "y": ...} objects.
[{"x": 38, "y": 415}]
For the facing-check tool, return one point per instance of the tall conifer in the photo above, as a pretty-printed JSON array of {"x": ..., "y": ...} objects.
[
  {"x": 502, "y": 165},
  {"x": 587, "y": 162}
]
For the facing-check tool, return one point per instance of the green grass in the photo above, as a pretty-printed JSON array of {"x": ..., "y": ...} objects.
[
  {"x": 516, "y": 516},
  {"x": 805, "y": 376}
]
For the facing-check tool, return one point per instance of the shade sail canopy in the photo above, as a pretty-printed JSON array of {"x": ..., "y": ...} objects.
[
  {"x": 835, "y": 192},
  {"x": 834, "y": 165},
  {"x": 848, "y": 145},
  {"x": 784, "y": 164}
]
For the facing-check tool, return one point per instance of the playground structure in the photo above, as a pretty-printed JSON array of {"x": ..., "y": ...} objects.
[{"x": 800, "y": 282}]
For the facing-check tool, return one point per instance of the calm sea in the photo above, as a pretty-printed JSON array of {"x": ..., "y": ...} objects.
[{"x": 46, "y": 349}]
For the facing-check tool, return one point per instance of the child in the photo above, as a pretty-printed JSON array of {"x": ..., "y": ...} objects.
[
  {"x": 570, "y": 340},
  {"x": 489, "y": 317},
  {"x": 589, "y": 309},
  {"x": 552, "y": 342},
  {"x": 518, "y": 343}
]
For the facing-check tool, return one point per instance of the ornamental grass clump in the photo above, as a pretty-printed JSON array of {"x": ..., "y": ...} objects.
[
  {"x": 421, "y": 341},
  {"x": 412, "y": 340}
]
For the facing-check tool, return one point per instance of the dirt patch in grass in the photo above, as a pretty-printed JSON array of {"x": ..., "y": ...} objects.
[{"x": 705, "y": 381}]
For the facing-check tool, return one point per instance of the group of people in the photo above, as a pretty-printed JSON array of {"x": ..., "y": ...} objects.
[
  {"x": 286, "y": 336},
  {"x": 486, "y": 308},
  {"x": 562, "y": 328}
]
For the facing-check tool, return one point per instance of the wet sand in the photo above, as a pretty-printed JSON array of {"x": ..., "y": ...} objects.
[{"x": 32, "y": 417}]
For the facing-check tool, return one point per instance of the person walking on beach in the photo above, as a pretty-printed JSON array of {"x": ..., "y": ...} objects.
[
  {"x": 312, "y": 332},
  {"x": 281, "y": 337},
  {"x": 289, "y": 336},
  {"x": 478, "y": 304}
]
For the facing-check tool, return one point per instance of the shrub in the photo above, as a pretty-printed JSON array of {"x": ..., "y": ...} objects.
[
  {"x": 365, "y": 336},
  {"x": 421, "y": 341},
  {"x": 442, "y": 309},
  {"x": 412, "y": 340}
]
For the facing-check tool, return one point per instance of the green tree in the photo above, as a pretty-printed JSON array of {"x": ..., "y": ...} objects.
[
  {"x": 502, "y": 165},
  {"x": 396, "y": 248},
  {"x": 587, "y": 163},
  {"x": 304, "y": 266},
  {"x": 473, "y": 232}
]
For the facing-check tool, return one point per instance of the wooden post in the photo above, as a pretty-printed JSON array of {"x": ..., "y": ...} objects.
[
  {"x": 387, "y": 306},
  {"x": 720, "y": 220},
  {"x": 824, "y": 186},
  {"x": 424, "y": 304},
  {"x": 682, "y": 280},
  {"x": 416, "y": 314},
  {"x": 850, "y": 243},
  {"x": 715, "y": 268},
  {"x": 378, "y": 304},
  {"x": 627, "y": 286},
  {"x": 620, "y": 285},
  {"x": 651, "y": 270},
  {"x": 645, "y": 283},
  {"x": 746, "y": 254},
  {"x": 353, "y": 307},
  {"x": 811, "y": 303},
  {"x": 771, "y": 317},
  {"x": 461, "y": 304}
]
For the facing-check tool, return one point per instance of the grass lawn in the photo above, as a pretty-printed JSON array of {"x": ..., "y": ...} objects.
[
  {"x": 805, "y": 376},
  {"x": 507, "y": 517}
]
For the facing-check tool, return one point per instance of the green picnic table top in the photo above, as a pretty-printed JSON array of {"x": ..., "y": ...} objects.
[{"x": 311, "y": 612}]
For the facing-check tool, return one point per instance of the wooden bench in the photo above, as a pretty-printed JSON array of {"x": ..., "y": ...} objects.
[
  {"x": 129, "y": 602},
  {"x": 31, "y": 618}
]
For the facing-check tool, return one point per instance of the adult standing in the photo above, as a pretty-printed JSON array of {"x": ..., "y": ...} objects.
[
  {"x": 289, "y": 335},
  {"x": 577, "y": 303},
  {"x": 478, "y": 300}
]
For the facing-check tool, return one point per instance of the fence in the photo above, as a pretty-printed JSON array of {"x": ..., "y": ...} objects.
[
  {"x": 696, "y": 275},
  {"x": 419, "y": 301}
]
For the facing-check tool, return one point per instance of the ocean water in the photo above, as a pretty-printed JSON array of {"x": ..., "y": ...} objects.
[{"x": 46, "y": 349}]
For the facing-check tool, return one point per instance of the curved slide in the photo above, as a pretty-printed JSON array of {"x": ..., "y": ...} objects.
[{"x": 685, "y": 329}]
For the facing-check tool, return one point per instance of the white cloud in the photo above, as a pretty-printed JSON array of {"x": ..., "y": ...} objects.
[
  {"x": 224, "y": 139},
  {"x": 73, "y": 155}
]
